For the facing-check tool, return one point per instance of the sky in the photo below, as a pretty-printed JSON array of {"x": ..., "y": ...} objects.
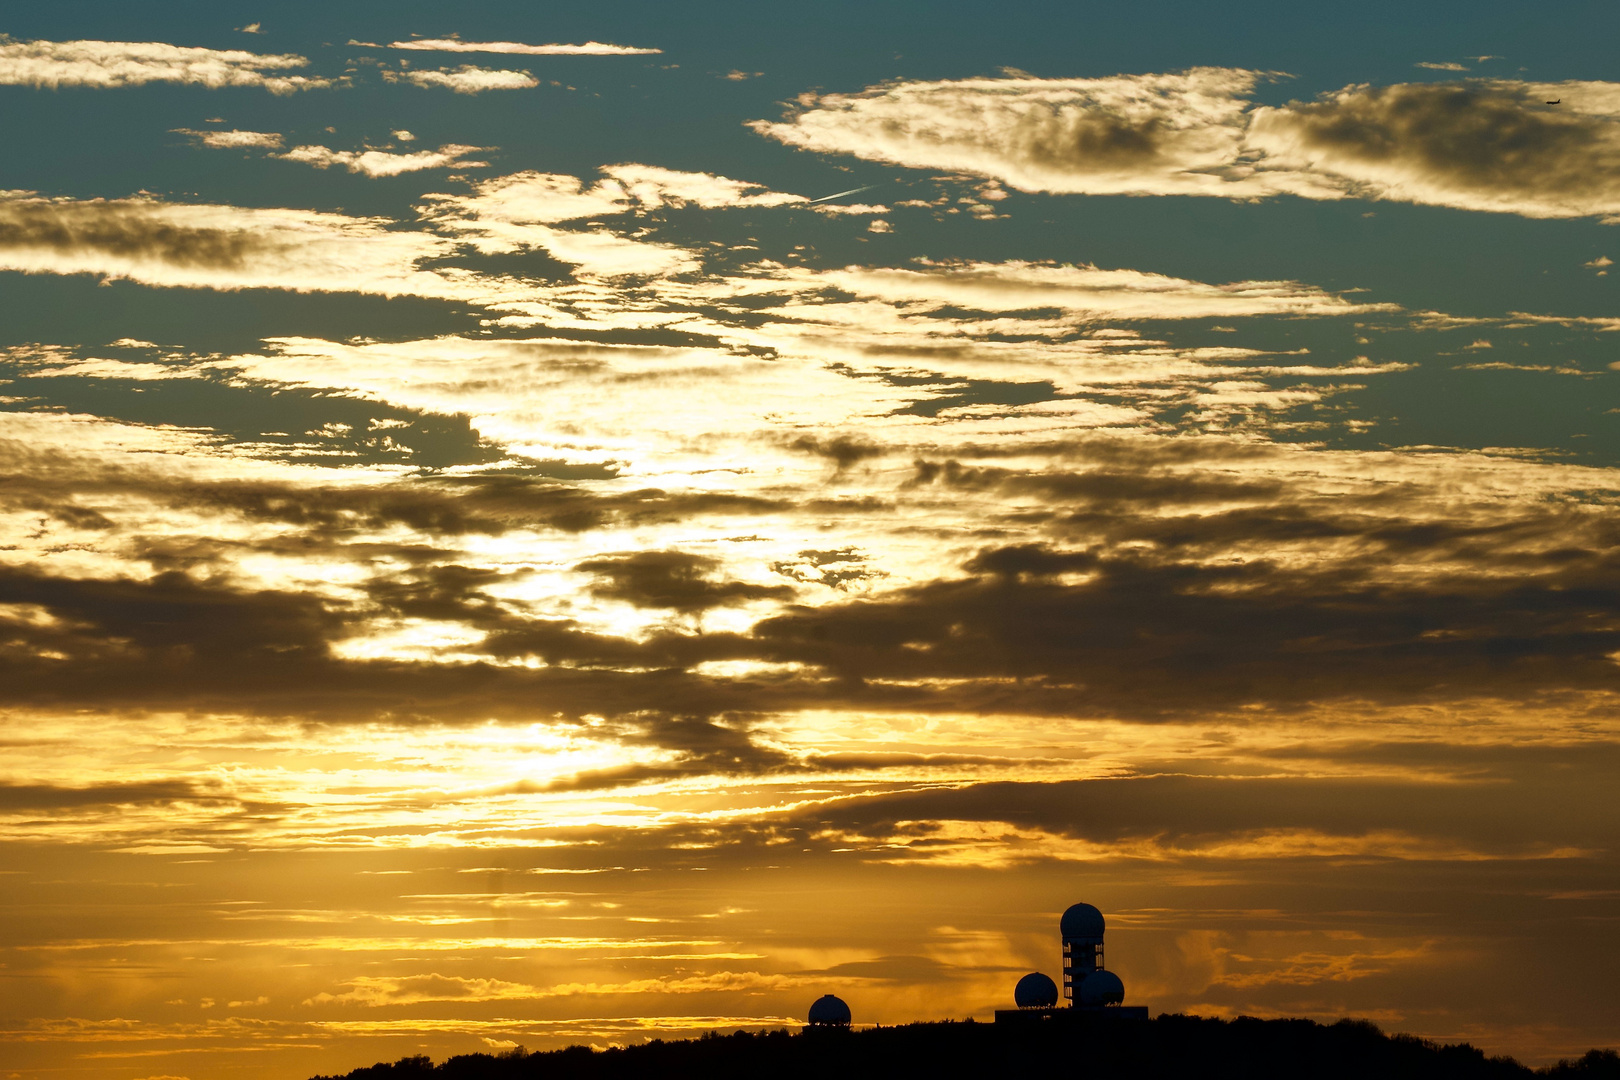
[{"x": 543, "y": 524}]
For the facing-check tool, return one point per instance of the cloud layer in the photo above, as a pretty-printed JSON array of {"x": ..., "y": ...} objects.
[{"x": 1491, "y": 145}]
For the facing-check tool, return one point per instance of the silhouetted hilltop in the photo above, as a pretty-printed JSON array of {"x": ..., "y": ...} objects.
[{"x": 1172, "y": 1047}]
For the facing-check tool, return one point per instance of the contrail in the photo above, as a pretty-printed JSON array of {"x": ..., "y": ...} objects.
[{"x": 841, "y": 194}]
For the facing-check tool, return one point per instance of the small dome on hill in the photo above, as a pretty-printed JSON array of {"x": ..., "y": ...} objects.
[
  {"x": 829, "y": 1011},
  {"x": 1101, "y": 988},
  {"x": 1082, "y": 922},
  {"x": 1035, "y": 991}
]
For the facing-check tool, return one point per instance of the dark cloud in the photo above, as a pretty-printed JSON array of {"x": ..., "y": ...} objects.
[
  {"x": 1149, "y": 581},
  {"x": 126, "y": 228},
  {"x": 1545, "y": 808},
  {"x": 292, "y": 423},
  {"x": 78, "y": 517},
  {"x": 702, "y": 746},
  {"x": 1163, "y": 622},
  {"x": 676, "y": 580},
  {"x": 174, "y": 617},
  {"x": 1479, "y": 144},
  {"x": 1115, "y": 487},
  {"x": 564, "y": 642},
  {"x": 173, "y": 641},
  {"x": 436, "y": 506},
  {"x": 1073, "y": 140},
  {"x": 1124, "y": 501},
  {"x": 882, "y": 760},
  {"x": 843, "y": 451},
  {"x": 448, "y": 592},
  {"x": 901, "y": 969},
  {"x": 1486, "y": 135},
  {"x": 836, "y": 569},
  {"x": 1143, "y": 637},
  {"x": 49, "y": 797},
  {"x": 1030, "y": 560}
]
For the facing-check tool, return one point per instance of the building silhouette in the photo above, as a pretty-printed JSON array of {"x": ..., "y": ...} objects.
[
  {"x": 828, "y": 1011},
  {"x": 1092, "y": 992},
  {"x": 1035, "y": 991}
]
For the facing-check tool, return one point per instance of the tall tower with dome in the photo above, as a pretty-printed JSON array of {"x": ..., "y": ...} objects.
[{"x": 1089, "y": 988}]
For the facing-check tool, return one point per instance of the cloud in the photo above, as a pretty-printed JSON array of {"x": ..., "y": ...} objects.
[
  {"x": 1131, "y": 636},
  {"x": 466, "y": 79},
  {"x": 217, "y": 247},
  {"x": 15, "y": 797},
  {"x": 171, "y": 643},
  {"x": 172, "y": 610},
  {"x": 1087, "y": 290},
  {"x": 1016, "y": 320},
  {"x": 1169, "y": 815},
  {"x": 675, "y": 580},
  {"x": 369, "y": 162},
  {"x": 230, "y": 140},
  {"x": 590, "y": 48},
  {"x": 1129, "y": 134},
  {"x": 979, "y": 319},
  {"x": 519, "y": 211},
  {"x": 504, "y": 211},
  {"x": 605, "y": 255},
  {"x": 652, "y": 187},
  {"x": 843, "y": 451},
  {"x": 383, "y": 163},
  {"x": 499, "y": 208},
  {"x": 377, "y": 990},
  {"x": 105, "y": 64},
  {"x": 1482, "y": 144},
  {"x": 611, "y": 392},
  {"x": 1155, "y": 578},
  {"x": 1447, "y": 65},
  {"x": 1487, "y": 145},
  {"x": 495, "y": 227}
]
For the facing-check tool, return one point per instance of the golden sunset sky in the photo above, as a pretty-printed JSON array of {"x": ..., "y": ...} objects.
[{"x": 547, "y": 524}]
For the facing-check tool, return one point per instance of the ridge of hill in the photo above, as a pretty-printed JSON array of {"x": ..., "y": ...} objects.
[{"x": 1172, "y": 1047}]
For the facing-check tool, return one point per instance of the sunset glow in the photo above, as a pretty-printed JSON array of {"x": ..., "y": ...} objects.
[{"x": 534, "y": 527}]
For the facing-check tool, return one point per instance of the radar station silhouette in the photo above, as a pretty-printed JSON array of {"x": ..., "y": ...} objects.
[{"x": 1094, "y": 993}]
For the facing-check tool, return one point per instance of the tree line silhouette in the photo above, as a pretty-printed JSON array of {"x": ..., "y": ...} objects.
[{"x": 1171, "y": 1047}]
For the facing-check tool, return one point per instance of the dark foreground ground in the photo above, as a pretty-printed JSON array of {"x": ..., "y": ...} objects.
[{"x": 1172, "y": 1047}]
